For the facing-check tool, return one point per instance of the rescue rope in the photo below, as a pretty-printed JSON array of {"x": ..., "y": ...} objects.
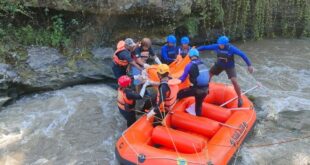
[
  {"x": 173, "y": 159},
  {"x": 199, "y": 158}
]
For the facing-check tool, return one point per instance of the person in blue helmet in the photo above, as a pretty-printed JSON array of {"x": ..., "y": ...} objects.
[
  {"x": 199, "y": 77},
  {"x": 225, "y": 62},
  {"x": 184, "y": 47},
  {"x": 169, "y": 51}
]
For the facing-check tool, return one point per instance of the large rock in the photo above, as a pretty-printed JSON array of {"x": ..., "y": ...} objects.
[
  {"x": 40, "y": 58},
  {"x": 47, "y": 69},
  {"x": 8, "y": 77},
  {"x": 3, "y": 100}
]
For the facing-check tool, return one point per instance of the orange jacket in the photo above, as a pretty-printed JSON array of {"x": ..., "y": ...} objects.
[
  {"x": 120, "y": 47},
  {"x": 171, "y": 97},
  {"x": 122, "y": 100}
]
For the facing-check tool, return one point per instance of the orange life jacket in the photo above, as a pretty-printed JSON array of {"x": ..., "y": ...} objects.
[
  {"x": 123, "y": 101},
  {"x": 120, "y": 47},
  {"x": 171, "y": 97}
]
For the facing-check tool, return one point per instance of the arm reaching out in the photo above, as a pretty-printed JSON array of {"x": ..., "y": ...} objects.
[
  {"x": 208, "y": 47},
  {"x": 241, "y": 54}
]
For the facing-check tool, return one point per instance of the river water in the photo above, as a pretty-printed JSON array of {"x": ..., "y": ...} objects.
[{"x": 80, "y": 124}]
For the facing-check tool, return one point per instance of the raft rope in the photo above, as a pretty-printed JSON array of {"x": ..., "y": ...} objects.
[{"x": 229, "y": 126}]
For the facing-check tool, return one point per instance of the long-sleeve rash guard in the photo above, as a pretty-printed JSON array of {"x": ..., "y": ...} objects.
[
  {"x": 230, "y": 51},
  {"x": 168, "y": 53}
]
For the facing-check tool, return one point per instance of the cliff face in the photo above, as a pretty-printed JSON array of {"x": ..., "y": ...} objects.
[{"x": 201, "y": 19}]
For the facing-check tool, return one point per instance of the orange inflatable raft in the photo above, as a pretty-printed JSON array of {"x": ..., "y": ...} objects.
[{"x": 186, "y": 139}]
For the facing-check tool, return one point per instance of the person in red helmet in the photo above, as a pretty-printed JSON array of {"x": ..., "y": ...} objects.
[{"x": 126, "y": 99}]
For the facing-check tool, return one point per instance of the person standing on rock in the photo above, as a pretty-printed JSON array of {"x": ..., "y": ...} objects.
[
  {"x": 142, "y": 54},
  {"x": 123, "y": 57},
  {"x": 225, "y": 62},
  {"x": 126, "y": 99},
  {"x": 198, "y": 74},
  {"x": 145, "y": 52},
  {"x": 169, "y": 51}
]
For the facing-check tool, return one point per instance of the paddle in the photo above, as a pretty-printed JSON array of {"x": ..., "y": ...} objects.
[{"x": 227, "y": 102}]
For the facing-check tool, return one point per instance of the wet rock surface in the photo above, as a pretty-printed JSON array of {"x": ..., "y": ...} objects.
[{"x": 47, "y": 69}]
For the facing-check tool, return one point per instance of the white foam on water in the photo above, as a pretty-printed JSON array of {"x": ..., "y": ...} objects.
[{"x": 63, "y": 116}]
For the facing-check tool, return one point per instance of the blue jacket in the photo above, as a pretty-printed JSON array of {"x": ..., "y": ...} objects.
[
  {"x": 227, "y": 53},
  {"x": 168, "y": 54},
  {"x": 197, "y": 74},
  {"x": 183, "y": 52}
]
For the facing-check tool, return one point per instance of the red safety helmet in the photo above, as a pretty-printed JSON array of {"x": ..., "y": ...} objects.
[{"x": 124, "y": 81}]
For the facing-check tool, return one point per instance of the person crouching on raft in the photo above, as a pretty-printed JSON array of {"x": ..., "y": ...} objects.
[
  {"x": 126, "y": 99},
  {"x": 167, "y": 91},
  {"x": 225, "y": 61},
  {"x": 199, "y": 77}
]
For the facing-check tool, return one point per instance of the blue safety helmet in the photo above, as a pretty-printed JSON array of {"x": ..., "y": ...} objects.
[
  {"x": 193, "y": 52},
  {"x": 223, "y": 40},
  {"x": 184, "y": 40},
  {"x": 171, "y": 39}
]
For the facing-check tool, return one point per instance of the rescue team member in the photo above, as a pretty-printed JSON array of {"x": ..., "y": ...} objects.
[
  {"x": 122, "y": 57},
  {"x": 199, "y": 77},
  {"x": 142, "y": 54},
  {"x": 126, "y": 99},
  {"x": 146, "y": 52},
  {"x": 167, "y": 91},
  {"x": 184, "y": 48},
  {"x": 169, "y": 51},
  {"x": 225, "y": 62}
]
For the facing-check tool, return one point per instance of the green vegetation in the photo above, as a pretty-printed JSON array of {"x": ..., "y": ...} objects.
[
  {"x": 243, "y": 19},
  {"x": 55, "y": 31},
  {"x": 54, "y": 35},
  {"x": 239, "y": 19}
]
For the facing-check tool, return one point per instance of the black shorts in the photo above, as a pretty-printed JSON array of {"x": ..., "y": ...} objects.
[{"x": 217, "y": 69}]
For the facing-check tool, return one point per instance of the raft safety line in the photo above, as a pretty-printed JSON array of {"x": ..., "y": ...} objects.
[{"x": 229, "y": 126}]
